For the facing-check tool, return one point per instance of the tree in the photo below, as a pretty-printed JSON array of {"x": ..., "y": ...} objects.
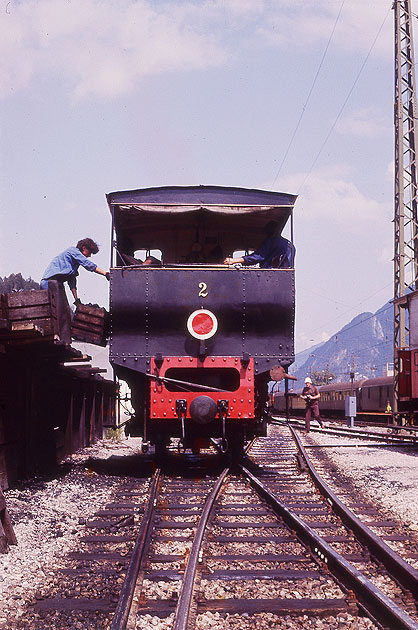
[
  {"x": 16, "y": 282},
  {"x": 322, "y": 377}
]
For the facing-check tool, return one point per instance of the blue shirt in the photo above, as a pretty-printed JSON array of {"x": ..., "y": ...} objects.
[
  {"x": 274, "y": 251},
  {"x": 66, "y": 265}
]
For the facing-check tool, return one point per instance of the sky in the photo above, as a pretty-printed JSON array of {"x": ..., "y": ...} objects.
[{"x": 105, "y": 95}]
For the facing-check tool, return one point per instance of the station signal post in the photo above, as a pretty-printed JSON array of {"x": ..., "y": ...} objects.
[{"x": 405, "y": 221}]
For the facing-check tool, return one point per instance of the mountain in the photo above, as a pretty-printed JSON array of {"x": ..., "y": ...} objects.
[
  {"x": 303, "y": 356},
  {"x": 364, "y": 346}
]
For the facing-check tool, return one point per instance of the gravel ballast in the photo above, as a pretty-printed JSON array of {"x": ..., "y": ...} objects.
[
  {"x": 48, "y": 516},
  {"x": 387, "y": 476}
]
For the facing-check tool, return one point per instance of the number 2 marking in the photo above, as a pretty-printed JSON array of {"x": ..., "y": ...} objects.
[{"x": 203, "y": 286}]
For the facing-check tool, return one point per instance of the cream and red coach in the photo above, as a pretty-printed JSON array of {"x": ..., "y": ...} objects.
[{"x": 194, "y": 338}]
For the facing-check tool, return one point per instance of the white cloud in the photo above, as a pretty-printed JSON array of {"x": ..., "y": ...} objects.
[
  {"x": 329, "y": 194},
  {"x": 304, "y": 340},
  {"x": 386, "y": 253},
  {"x": 366, "y": 122},
  {"x": 238, "y": 7},
  {"x": 103, "y": 48},
  {"x": 344, "y": 240},
  {"x": 311, "y": 22},
  {"x": 390, "y": 171}
]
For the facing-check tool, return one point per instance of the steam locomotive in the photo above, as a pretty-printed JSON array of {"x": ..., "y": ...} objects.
[{"x": 196, "y": 339}]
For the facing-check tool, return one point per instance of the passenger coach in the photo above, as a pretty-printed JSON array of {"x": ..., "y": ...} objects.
[
  {"x": 374, "y": 398},
  {"x": 196, "y": 339}
]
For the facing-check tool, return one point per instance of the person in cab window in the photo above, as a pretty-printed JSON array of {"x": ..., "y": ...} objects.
[{"x": 275, "y": 252}]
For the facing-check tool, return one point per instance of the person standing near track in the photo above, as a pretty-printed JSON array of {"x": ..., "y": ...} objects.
[{"x": 310, "y": 394}]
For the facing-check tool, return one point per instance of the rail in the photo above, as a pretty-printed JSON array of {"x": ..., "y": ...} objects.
[
  {"x": 378, "y": 605},
  {"x": 400, "y": 569},
  {"x": 123, "y": 607},
  {"x": 186, "y": 593},
  {"x": 369, "y": 597},
  {"x": 384, "y": 439}
]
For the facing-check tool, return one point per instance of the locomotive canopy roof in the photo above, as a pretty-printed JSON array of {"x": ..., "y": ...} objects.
[{"x": 233, "y": 218}]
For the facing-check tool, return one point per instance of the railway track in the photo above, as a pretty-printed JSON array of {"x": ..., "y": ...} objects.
[
  {"x": 257, "y": 546},
  {"x": 85, "y": 590},
  {"x": 394, "y": 435},
  {"x": 338, "y": 489},
  {"x": 359, "y": 536}
]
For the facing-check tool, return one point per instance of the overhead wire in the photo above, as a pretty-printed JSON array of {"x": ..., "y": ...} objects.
[
  {"x": 349, "y": 309},
  {"x": 334, "y": 122},
  {"x": 342, "y": 107},
  {"x": 309, "y": 93},
  {"x": 345, "y": 101},
  {"x": 383, "y": 310},
  {"x": 346, "y": 329}
]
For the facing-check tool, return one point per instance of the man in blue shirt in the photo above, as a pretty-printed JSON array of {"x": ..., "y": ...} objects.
[
  {"x": 64, "y": 267},
  {"x": 274, "y": 252}
]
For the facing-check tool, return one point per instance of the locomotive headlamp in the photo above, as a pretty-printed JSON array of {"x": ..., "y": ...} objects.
[{"x": 202, "y": 324}]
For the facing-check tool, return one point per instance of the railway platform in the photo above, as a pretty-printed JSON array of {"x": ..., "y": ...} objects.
[{"x": 52, "y": 399}]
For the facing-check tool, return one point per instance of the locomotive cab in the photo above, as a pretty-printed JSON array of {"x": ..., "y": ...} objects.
[{"x": 195, "y": 339}]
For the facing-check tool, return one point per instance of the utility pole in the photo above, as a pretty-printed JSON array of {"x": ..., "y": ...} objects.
[
  {"x": 405, "y": 221},
  {"x": 352, "y": 373}
]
